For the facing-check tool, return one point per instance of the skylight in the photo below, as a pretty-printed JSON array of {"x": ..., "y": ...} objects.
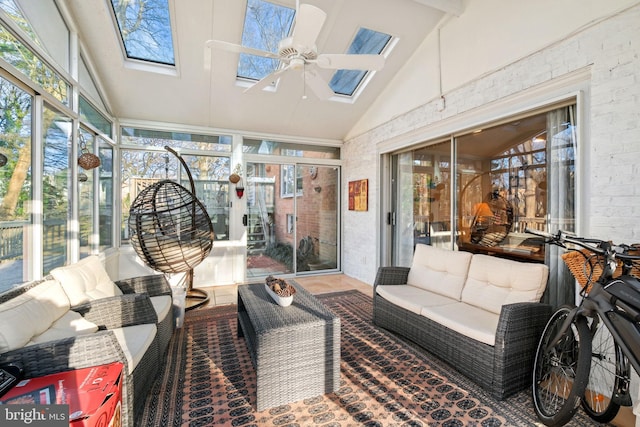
[
  {"x": 145, "y": 28},
  {"x": 345, "y": 82},
  {"x": 265, "y": 24}
]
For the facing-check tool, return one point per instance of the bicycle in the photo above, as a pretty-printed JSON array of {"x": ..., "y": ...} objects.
[{"x": 585, "y": 353}]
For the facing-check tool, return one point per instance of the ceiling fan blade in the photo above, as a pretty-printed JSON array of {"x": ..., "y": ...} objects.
[
  {"x": 339, "y": 61},
  {"x": 317, "y": 84},
  {"x": 309, "y": 22},
  {"x": 266, "y": 81},
  {"x": 236, "y": 48}
]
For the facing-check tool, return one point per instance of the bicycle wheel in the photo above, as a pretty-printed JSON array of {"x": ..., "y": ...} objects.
[
  {"x": 606, "y": 377},
  {"x": 561, "y": 370}
]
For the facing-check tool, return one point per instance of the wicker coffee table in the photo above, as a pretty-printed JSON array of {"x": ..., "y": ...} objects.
[{"x": 295, "y": 350}]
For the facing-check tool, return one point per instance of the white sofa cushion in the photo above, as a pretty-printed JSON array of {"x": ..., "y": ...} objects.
[
  {"x": 439, "y": 270},
  {"x": 86, "y": 280},
  {"x": 162, "y": 305},
  {"x": 135, "y": 341},
  {"x": 31, "y": 314},
  {"x": 473, "y": 322},
  {"x": 71, "y": 324},
  {"x": 412, "y": 298},
  {"x": 493, "y": 282}
]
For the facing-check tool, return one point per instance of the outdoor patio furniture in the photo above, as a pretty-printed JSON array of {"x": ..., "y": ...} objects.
[
  {"x": 295, "y": 350},
  {"x": 480, "y": 314}
]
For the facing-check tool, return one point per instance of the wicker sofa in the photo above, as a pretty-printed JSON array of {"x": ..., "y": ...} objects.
[
  {"x": 480, "y": 314},
  {"x": 77, "y": 318}
]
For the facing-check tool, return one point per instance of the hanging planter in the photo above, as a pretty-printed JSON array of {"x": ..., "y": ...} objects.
[
  {"x": 87, "y": 160},
  {"x": 236, "y": 175}
]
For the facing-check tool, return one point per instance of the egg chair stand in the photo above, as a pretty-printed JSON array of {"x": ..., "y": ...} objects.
[{"x": 171, "y": 230}]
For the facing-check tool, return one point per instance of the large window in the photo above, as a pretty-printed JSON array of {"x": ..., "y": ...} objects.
[{"x": 206, "y": 156}]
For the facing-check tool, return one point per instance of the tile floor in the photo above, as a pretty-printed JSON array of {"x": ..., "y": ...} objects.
[{"x": 228, "y": 294}]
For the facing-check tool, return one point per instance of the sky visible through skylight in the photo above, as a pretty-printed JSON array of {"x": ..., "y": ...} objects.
[
  {"x": 265, "y": 24},
  {"x": 145, "y": 27},
  {"x": 345, "y": 82}
]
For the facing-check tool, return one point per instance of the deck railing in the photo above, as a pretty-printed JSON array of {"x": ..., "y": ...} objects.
[{"x": 12, "y": 237}]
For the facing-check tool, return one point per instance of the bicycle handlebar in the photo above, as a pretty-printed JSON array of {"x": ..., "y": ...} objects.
[{"x": 599, "y": 247}]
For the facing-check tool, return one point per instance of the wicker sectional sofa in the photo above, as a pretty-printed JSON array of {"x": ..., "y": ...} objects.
[
  {"x": 77, "y": 318},
  {"x": 480, "y": 314}
]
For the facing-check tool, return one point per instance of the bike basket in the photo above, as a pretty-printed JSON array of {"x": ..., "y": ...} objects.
[{"x": 585, "y": 266}]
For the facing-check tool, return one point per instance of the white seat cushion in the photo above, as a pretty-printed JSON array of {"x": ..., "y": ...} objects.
[
  {"x": 470, "y": 321},
  {"x": 411, "y": 298},
  {"x": 438, "y": 270},
  {"x": 163, "y": 305},
  {"x": 30, "y": 314},
  {"x": 85, "y": 280},
  {"x": 134, "y": 341},
  {"x": 70, "y": 325},
  {"x": 494, "y": 282}
]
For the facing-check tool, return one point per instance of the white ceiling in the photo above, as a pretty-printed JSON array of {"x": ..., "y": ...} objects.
[{"x": 204, "y": 93}]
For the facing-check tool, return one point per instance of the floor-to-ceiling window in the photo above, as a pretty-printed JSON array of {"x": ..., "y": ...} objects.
[{"x": 505, "y": 178}]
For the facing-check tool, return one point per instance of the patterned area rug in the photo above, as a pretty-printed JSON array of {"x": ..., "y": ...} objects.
[{"x": 208, "y": 380}]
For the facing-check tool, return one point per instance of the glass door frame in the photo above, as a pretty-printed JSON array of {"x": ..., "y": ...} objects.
[{"x": 296, "y": 162}]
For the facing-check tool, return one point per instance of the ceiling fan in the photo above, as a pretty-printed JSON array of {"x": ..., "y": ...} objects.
[{"x": 297, "y": 52}]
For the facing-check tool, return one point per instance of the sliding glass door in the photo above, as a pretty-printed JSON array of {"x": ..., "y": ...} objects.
[{"x": 291, "y": 218}]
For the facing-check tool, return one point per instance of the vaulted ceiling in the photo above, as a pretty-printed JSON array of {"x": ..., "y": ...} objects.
[{"x": 203, "y": 89}]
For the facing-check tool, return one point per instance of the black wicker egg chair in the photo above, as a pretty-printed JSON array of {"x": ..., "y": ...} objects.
[{"x": 171, "y": 230}]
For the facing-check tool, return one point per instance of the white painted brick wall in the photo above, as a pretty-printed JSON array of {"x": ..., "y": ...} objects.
[
  {"x": 361, "y": 227},
  {"x": 611, "y": 142}
]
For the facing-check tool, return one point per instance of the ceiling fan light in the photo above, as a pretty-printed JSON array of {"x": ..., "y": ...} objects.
[{"x": 296, "y": 64}]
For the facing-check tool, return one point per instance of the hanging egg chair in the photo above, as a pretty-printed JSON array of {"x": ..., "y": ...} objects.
[{"x": 171, "y": 230}]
